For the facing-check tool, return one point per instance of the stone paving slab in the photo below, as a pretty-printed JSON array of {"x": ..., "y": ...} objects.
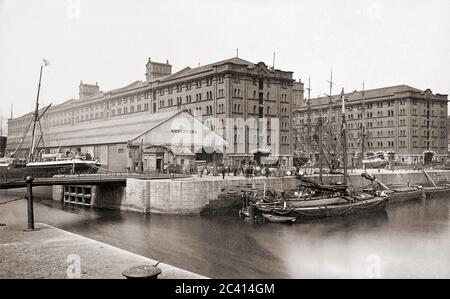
[{"x": 49, "y": 252}]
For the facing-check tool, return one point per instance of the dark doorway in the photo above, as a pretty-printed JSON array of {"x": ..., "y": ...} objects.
[
  {"x": 159, "y": 164},
  {"x": 428, "y": 157},
  {"x": 207, "y": 154}
]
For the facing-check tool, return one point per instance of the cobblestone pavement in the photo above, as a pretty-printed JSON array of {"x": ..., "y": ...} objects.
[{"x": 49, "y": 252}]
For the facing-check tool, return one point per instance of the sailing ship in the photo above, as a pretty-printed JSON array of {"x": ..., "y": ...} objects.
[
  {"x": 342, "y": 205},
  {"x": 314, "y": 200},
  {"x": 44, "y": 164},
  {"x": 317, "y": 200}
]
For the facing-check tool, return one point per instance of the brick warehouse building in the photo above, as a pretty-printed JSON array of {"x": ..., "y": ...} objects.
[
  {"x": 232, "y": 88},
  {"x": 400, "y": 120}
]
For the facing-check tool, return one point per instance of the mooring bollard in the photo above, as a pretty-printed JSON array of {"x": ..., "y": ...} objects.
[
  {"x": 251, "y": 213},
  {"x": 29, "y": 181},
  {"x": 142, "y": 272}
]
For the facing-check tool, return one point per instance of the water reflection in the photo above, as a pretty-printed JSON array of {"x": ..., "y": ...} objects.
[{"x": 411, "y": 240}]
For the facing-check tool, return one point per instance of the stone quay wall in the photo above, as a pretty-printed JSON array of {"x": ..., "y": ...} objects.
[{"x": 193, "y": 195}]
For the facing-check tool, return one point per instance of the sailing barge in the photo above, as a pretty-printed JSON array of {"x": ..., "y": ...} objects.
[
  {"x": 326, "y": 207},
  {"x": 320, "y": 201},
  {"x": 314, "y": 200}
]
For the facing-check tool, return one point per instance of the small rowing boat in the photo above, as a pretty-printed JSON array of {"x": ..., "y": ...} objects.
[
  {"x": 436, "y": 192},
  {"x": 278, "y": 219}
]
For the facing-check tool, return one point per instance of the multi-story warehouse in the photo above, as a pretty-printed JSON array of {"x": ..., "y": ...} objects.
[
  {"x": 215, "y": 93},
  {"x": 399, "y": 121}
]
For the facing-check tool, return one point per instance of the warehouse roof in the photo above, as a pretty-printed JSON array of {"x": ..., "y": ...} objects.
[
  {"x": 205, "y": 68},
  {"x": 127, "y": 129},
  {"x": 377, "y": 93}
]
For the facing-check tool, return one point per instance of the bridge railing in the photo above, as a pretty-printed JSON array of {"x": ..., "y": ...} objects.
[{"x": 6, "y": 177}]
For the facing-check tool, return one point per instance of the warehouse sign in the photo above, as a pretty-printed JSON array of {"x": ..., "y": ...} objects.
[{"x": 184, "y": 131}]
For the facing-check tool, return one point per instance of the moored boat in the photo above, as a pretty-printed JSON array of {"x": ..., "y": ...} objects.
[
  {"x": 404, "y": 193},
  {"x": 397, "y": 193},
  {"x": 322, "y": 208},
  {"x": 65, "y": 166},
  {"x": 435, "y": 192},
  {"x": 8, "y": 163}
]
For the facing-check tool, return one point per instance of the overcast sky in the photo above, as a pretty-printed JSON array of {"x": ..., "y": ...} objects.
[{"x": 381, "y": 42}]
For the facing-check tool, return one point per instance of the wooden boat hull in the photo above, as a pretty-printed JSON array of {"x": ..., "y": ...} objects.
[
  {"x": 402, "y": 196},
  {"x": 436, "y": 192},
  {"x": 323, "y": 211}
]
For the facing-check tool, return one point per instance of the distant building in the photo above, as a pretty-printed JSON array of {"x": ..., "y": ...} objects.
[
  {"x": 448, "y": 131},
  {"x": 214, "y": 93},
  {"x": 402, "y": 121}
]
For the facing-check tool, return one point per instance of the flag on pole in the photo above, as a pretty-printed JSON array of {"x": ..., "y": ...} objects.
[
  {"x": 343, "y": 101},
  {"x": 46, "y": 62}
]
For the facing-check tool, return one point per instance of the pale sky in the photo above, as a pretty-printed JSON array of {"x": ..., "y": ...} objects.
[{"x": 381, "y": 42}]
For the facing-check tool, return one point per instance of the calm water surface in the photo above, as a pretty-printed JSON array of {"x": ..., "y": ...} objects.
[{"x": 408, "y": 240}]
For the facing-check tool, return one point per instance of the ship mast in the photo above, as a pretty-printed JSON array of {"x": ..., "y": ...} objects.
[
  {"x": 36, "y": 115},
  {"x": 363, "y": 128},
  {"x": 344, "y": 137},
  {"x": 330, "y": 104},
  {"x": 309, "y": 117}
]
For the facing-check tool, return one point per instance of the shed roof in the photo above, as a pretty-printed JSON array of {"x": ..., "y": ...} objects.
[{"x": 118, "y": 130}]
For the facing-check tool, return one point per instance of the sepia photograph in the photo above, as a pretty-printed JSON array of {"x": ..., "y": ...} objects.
[{"x": 210, "y": 141}]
